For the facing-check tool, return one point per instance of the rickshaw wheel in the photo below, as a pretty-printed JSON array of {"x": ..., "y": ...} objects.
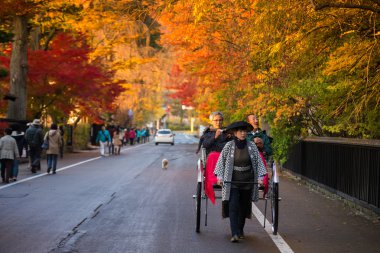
[
  {"x": 198, "y": 206},
  {"x": 274, "y": 204}
]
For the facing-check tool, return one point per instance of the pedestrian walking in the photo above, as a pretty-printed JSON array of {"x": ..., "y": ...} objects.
[
  {"x": 126, "y": 136},
  {"x": 138, "y": 135},
  {"x": 121, "y": 136},
  {"x": 132, "y": 136},
  {"x": 19, "y": 136},
  {"x": 104, "y": 139},
  {"x": 53, "y": 137},
  {"x": 147, "y": 134},
  {"x": 116, "y": 142},
  {"x": 111, "y": 147},
  {"x": 143, "y": 135},
  {"x": 237, "y": 170},
  {"x": 8, "y": 153},
  {"x": 34, "y": 137}
]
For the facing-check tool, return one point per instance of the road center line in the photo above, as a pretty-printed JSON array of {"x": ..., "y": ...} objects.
[
  {"x": 61, "y": 169},
  {"x": 277, "y": 239}
]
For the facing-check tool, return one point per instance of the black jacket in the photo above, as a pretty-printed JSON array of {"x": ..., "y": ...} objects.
[{"x": 212, "y": 144}]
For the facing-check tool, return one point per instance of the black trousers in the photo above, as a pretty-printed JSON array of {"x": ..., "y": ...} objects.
[
  {"x": 238, "y": 207},
  {"x": 35, "y": 156},
  {"x": 6, "y": 169}
]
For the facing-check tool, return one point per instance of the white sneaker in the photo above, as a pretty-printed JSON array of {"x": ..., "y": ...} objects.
[{"x": 235, "y": 238}]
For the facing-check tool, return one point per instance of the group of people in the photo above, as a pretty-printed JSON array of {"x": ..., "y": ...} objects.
[
  {"x": 34, "y": 141},
  {"x": 53, "y": 144},
  {"x": 116, "y": 137},
  {"x": 236, "y": 160}
]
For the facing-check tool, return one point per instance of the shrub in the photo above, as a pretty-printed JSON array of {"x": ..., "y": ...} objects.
[{"x": 81, "y": 136}]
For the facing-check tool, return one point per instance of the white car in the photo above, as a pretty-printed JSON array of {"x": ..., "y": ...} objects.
[{"x": 164, "y": 136}]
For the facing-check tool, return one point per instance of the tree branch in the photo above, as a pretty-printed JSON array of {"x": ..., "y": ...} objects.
[
  {"x": 321, "y": 6},
  {"x": 227, "y": 41},
  {"x": 49, "y": 38}
]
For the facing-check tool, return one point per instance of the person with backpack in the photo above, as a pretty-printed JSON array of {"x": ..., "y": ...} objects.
[
  {"x": 104, "y": 139},
  {"x": 34, "y": 138},
  {"x": 257, "y": 132}
]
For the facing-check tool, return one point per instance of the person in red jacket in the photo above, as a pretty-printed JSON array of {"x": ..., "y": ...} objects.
[{"x": 132, "y": 136}]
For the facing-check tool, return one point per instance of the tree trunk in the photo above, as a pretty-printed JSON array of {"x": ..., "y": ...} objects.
[{"x": 18, "y": 70}]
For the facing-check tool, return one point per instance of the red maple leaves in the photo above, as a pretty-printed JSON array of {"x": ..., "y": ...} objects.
[{"x": 64, "y": 78}]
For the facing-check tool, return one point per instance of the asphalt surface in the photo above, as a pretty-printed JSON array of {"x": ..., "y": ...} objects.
[{"x": 128, "y": 203}]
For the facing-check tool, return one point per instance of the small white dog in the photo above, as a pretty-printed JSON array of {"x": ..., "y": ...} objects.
[{"x": 165, "y": 163}]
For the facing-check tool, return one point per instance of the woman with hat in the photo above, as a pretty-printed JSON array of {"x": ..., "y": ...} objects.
[{"x": 239, "y": 161}]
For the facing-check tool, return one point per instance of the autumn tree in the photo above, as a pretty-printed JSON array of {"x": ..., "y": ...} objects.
[
  {"x": 70, "y": 83},
  {"x": 17, "y": 13},
  {"x": 123, "y": 37},
  {"x": 112, "y": 29},
  {"x": 308, "y": 67},
  {"x": 17, "y": 16}
]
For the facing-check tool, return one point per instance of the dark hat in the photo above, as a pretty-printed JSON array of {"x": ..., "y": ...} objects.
[{"x": 239, "y": 125}]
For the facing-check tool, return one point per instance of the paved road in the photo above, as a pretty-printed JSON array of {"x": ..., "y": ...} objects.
[{"x": 127, "y": 203}]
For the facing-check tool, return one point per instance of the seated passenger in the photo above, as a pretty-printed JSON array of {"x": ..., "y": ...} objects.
[
  {"x": 213, "y": 141},
  {"x": 257, "y": 132}
]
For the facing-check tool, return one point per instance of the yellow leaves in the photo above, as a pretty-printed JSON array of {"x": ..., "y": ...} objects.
[
  {"x": 259, "y": 85},
  {"x": 275, "y": 48},
  {"x": 199, "y": 9},
  {"x": 127, "y": 86},
  {"x": 349, "y": 58}
]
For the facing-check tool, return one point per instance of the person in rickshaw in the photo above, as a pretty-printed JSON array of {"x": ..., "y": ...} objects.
[
  {"x": 214, "y": 140},
  {"x": 253, "y": 119},
  {"x": 238, "y": 168}
]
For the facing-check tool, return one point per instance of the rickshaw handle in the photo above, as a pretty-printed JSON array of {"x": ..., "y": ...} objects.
[{"x": 238, "y": 182}]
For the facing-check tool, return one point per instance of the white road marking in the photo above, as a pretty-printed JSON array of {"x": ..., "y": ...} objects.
[
  {"x": 277, "y": 239},
  {"x": 61, "y": 169}
]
